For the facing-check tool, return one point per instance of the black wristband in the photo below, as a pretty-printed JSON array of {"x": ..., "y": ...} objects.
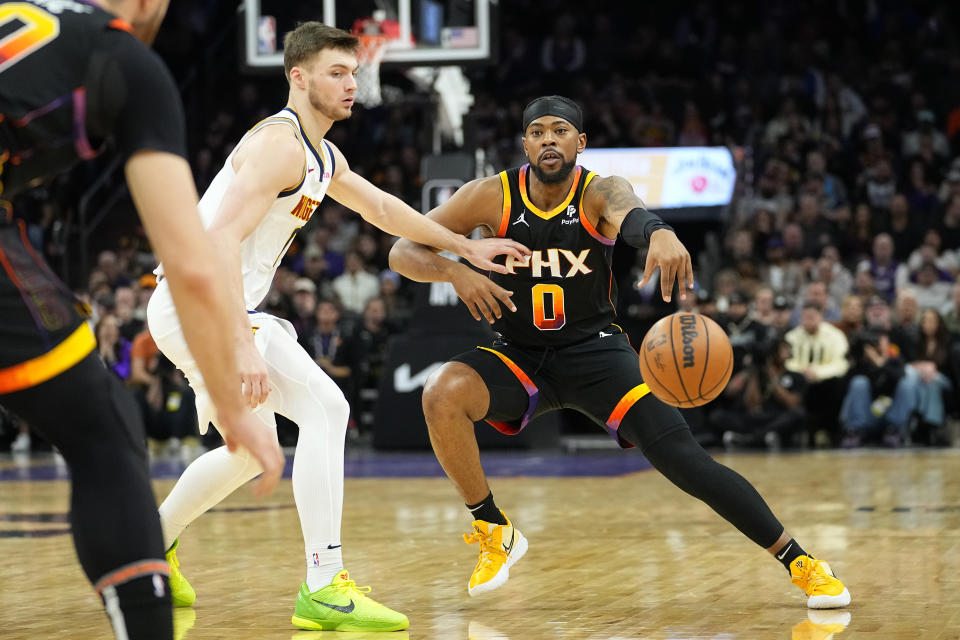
[{"x": 638, "y": 225}]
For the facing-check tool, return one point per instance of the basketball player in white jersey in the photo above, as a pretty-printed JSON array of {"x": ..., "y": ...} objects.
[{"x": 268, "y": 188}]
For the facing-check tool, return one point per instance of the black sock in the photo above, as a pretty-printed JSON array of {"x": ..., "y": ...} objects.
[
  {"x": 487, "y": 511},
  {"x": 789, "y": 552},
  {"x": 142, "y": 606}
]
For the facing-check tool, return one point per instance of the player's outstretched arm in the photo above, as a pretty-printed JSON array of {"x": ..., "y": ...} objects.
[
  {"x": 476, "y": 204},
  {"x": 624, "y": 211},
  {"x": 391, "y": 214},
  {"x": 163, "y": 191}
]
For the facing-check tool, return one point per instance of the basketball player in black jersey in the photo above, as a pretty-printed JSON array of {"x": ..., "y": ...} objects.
[
  {"x": 558, "y": 345},
  {"x": 76, "y": 77}
]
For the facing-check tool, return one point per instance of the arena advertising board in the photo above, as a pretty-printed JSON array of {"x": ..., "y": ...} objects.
[{"x": 669, "y": 178}]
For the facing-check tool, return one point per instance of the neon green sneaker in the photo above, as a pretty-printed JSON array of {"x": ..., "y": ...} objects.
[
  {"x": 343, "y": 606},
  {"x": 180, "y": 590}
]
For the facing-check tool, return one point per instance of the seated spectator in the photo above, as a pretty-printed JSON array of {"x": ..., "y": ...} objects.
[
  {"x": 838, "y": 281},
  {"x": 819, "y": 353},
  {"x": 931, "y": 288},
  {"x": 907, "y": 315},
  {"x": 949, "y": 226},
  {"x": 113, "y": 348},
  {"x": 881, "y": 397},
  {"x": 851, "y": 317},
  {"x": 930, "y": 362},
  {"x": 355, "y": 286},
  {"x": 782, "y": 310},
  {"x": 929, "y": 251},
  {"x": 815, "y": 294},
  {"x": 166, "y": 400},
  {"x": 784, "y": 276},
  {"x": 762, "y": 310},
  {"x": 397, "y": 305},
  {"x": 327, "y": 344},
  {"x": 368, "y": 354},
  {"x": 304, "y": 305},
  {"x": 765, "y": 401},
  {"x": 863, "y": 286},
  {"x": 884, "y": 269},
  {"x": 951, "y": 310},
  {"x": 902, "y": 227},
  {"x": 746, "y": 334},
  {"x": 124, "y": 308}
]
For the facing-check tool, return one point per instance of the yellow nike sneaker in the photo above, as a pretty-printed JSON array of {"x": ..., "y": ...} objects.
[
  {"x": 501, "y": 545},
  {"x": 181, "y": 592},
  {"x": 821, "y": 625},
  {"x": 343, "y": 606},
  {"x": 823, "y": 589}
]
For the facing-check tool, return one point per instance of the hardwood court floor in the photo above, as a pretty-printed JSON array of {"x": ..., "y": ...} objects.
[{"x": 610, "y": 558}]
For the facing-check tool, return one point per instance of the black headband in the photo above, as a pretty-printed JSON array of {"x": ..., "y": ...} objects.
[{"x": 553, "y": 106}]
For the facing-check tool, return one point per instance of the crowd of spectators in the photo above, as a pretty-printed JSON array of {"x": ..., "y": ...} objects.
[{"x": 835, "y": 270}]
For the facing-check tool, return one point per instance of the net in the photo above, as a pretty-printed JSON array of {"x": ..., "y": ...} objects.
[{"x": 371, "y": 51}]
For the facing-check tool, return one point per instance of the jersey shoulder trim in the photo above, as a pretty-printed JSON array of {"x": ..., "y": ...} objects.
[
  {"x": 546, "y": 215},
  {"x": 505, "y": 214},
  {"x": 585, "y": 222},
  {"x": 274, "y": 120},
  {"x": 306, "y": 140}
]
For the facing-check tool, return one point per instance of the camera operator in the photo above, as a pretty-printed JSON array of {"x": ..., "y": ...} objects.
[{"x": 764, "y": 401}]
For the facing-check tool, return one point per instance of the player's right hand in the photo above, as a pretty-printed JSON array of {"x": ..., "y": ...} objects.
[
  {"x": 246, "y": 431},
  {"x": 253, "y": 375},
  {"x": 482, "y": 296},
  {"x": 482, "y": 251}
]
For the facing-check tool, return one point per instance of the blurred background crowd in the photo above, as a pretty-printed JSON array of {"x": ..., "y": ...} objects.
[{"x": 834, "y": 270}]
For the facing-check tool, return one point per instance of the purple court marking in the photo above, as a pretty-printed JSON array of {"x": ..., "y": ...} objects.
[{"x": 374, "y": 464}]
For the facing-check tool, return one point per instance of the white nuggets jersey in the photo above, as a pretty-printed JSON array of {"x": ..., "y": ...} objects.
[{"x": 261, "y": 252}]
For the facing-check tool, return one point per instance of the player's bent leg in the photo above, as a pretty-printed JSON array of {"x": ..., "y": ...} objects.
[
  {"x": 667, "y": 443},
  {"x": 455, "y": 397},
  {"x": 93, "y": 421},
  {"x": 328, "y": 599},
  {"x": 204, "y": 483}
]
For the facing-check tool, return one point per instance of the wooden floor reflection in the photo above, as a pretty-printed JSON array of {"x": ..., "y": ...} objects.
[{"x": 617, "y": 558}]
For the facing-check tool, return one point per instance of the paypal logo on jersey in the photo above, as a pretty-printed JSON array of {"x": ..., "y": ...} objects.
[{"x": 536, "y": 263}]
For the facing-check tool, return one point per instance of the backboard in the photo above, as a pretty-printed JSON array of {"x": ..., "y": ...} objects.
[{"x": 424, "y": 32}]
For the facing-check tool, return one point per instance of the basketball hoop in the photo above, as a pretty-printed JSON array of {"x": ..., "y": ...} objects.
[{"x": 371, "y": 51}]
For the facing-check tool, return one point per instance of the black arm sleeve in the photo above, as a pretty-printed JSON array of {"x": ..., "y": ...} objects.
[
  {"x": 132, "y": 98},
  {"x": 638, "y": 225}
]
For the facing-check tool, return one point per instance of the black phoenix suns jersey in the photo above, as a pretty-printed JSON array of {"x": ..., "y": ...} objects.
[
  {"x": 564, "y": 291},
  {"x": 72, "y": 77}
]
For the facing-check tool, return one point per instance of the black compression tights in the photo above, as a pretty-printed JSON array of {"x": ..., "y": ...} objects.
[
  {"x": 92, "y": 419},
  {"x": 674, "y": 453}
]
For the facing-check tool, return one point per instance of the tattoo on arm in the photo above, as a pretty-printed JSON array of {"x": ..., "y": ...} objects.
[{"x": 617, "y": 194}]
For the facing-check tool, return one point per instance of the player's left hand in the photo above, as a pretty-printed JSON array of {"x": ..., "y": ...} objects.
[
  {"x": 253, "y": 375},
  {"x": 481, "y": 252},
  {"x": 667, "y": 252}
]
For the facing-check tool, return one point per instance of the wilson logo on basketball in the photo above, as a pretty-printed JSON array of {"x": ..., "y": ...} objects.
[{"x": 688, "y": 333}]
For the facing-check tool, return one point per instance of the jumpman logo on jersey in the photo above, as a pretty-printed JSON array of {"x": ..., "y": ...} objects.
[{"x": 521, "y": 219}]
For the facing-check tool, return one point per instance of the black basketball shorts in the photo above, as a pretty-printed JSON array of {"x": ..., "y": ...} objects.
[
  {"x": 42, "y": 330},
  {"x": 599, "y": 377}
]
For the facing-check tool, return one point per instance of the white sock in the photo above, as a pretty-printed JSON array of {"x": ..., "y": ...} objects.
[{"x": 322, "y": 565}]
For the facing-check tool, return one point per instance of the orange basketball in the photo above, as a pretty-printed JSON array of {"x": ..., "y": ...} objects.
[{"x": 686, "y": 359}]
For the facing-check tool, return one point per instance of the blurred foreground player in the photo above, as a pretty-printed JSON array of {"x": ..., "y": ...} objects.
[
  {"x": 558, "y": 347},
  {"x": 75, "y": 77}
]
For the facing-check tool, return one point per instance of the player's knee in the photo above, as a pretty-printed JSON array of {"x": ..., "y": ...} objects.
[
  {"x": 326, "y": 393},
  {"x": 451, "y": 393}
]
